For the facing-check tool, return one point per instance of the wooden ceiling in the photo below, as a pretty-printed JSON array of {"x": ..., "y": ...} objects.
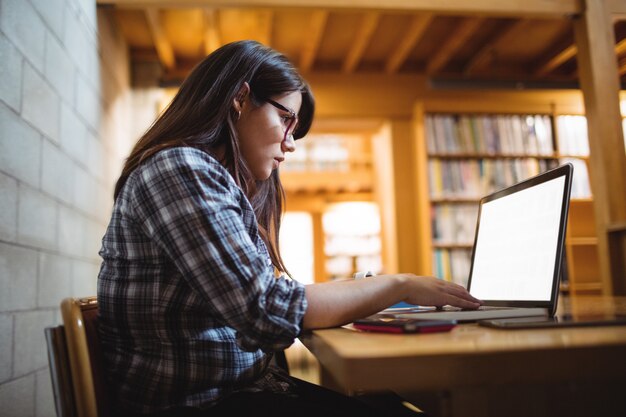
[{"x": 440, "y": 46}]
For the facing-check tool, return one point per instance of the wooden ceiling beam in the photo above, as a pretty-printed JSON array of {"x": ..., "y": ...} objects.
[
  {"x": 237, "y": 24},
  {"x": 486, "y": 52},
  {"x": 366, "y": 30},
  {"x": 161, "y": 43},
  {"x": 460, "y": 36},
  {"x": 211, "y": 31},
  {"x": 409, "y": 40},
  {"x": 568, "y": 52},
  {"x": 562, "y": 51},
  {"x": 314, "y": 38},
  {"x": 537, "y": 8},
  {"x": 621, "y": 66},
  {"x": 620, "y": 47},
  {"x": 266, "y": 20}
]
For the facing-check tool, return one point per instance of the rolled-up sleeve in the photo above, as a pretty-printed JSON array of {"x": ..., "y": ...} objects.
[{"x": 195, "y": 213}]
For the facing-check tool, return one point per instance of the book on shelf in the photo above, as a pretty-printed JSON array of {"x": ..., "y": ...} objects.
[
  {"x": 573, "y": 140},
  {"x": 580, "y": 181},
  {"x": 471, "y": 156},
  {"x": 352, "y": 239},
  {"x": 572, "y": 136},
  {"x": 475, "y": 178},
  {"x": 489, "y": 134},
  {"x": 454, "y": 225},
  {"x": 452, "y": 265},
  {"x": 325, "y": 153}
]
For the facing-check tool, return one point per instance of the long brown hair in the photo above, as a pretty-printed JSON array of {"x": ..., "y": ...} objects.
[{"x": 201, "y": 116}]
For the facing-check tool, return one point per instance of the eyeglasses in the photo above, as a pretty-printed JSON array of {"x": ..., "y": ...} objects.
[{"x": 291, "y": 121}]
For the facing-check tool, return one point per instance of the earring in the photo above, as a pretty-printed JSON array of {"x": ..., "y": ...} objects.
[{"x": 238, "y": 115}]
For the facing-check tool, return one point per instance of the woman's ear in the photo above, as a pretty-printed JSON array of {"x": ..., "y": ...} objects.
[{"x": 241, "y": 96}]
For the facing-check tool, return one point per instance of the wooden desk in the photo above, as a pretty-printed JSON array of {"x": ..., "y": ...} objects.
[{"x": 477, "y": 371}]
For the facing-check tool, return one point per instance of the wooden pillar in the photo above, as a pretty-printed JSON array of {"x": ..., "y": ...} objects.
[
  {"x": 599, "y": 81},
  {"x": 396, "y": 171},
  {"x": 404, "y": 175},
  {"x": 385, "y": 196},
  {"x": 422, "y": 196},
  {"x": 319, "y": 257}
]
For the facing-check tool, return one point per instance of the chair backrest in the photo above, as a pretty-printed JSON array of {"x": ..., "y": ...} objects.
[
  {"x": 60, "y": 372},
  {"x": 85, "y": 357}
]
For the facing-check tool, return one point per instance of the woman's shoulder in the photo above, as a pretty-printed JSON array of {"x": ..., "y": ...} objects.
[
  {"x": 182, "y": 163},
  {"x": 184, "y": 155},
  {"x": 183, "y": 159}
]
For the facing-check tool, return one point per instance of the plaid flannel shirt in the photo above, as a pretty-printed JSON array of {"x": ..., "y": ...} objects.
[{"x": 189, "y": 305}]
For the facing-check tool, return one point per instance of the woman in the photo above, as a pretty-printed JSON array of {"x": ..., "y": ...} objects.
[{"x": 190, "y": 306}]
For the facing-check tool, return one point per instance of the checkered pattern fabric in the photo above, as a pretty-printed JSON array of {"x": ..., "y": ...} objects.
[{"x": 190, "y": 308}]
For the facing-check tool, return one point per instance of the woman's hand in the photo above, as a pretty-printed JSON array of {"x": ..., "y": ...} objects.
[
  {"x": 339, "y": 302},
  {"x": 430, "y": 291}
]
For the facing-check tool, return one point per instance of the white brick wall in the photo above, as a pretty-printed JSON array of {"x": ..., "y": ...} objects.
[
  {"x": 40, "y": 104},
  {"x": 20, "y": 22},
  {"x": 20, "y": 148},
  {"x": 10, "y": 74},
  {"x": 59, "y": 69},
  {"x": 95, "y": 163},
  {"x": 52, "y": 12},
  {"x": 30, "y": 352},
  {"x": 8, "y": 208},
  {"x": 57, "y": 173},
  {"x": 87, "y": 103},
  {"x": 37, "y": 219},
  {"x": 71, "y": 232},
  {"x": 18, "y": 397},
  {"x": 56, "y": 154},
  {"x": 73, "y": 134},
  {"x": 55, "y": 277},
  {"x": 6, "y": 347},
  {"x": 81, "y": 284},
  {"x": 44, "y": 404},
  {"x": 85, "y": 191},
  {"x": 18, "y": 277}
]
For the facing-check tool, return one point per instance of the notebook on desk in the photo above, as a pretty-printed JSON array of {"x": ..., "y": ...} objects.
[{"x": 518, "y": 251}]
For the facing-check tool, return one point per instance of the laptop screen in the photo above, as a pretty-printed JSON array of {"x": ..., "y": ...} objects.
[{"x": 516, "y": 244}]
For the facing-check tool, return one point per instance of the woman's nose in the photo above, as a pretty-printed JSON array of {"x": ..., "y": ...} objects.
[{"x": 288, "y": 144}]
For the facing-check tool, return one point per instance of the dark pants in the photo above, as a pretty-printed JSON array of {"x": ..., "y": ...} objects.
[{"x": 309, "y": 400}]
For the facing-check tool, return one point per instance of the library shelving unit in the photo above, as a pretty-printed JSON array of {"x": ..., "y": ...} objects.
[
  {"x": 469, "y": 156},
  {"x": 352, "y": 239},
  {"x": 329, "y": 164},
  {"x": 330, "y": 178},
  {"x": 581, "y": 240},
  {"x": 473, "y": 154}
]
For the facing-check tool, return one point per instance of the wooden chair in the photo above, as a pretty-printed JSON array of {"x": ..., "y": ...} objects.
[{"x": 76, "y": 362}]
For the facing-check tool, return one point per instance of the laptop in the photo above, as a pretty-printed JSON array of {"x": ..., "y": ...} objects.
[{"x": 518, "y": 251}]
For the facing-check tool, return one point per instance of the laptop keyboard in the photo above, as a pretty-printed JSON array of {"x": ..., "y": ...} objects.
[{"x": 481, "y": 308}]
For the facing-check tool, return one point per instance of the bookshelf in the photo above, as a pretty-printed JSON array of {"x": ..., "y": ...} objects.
[
  {"x": 330, "y": 179},
  {"x": 471, "y": 155},
  {"x": 581, "y": 246},
  {"x": 352, "y": 239},
  {"x": 582, "y": 249},
  {"x": 329, "y": 164}
]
